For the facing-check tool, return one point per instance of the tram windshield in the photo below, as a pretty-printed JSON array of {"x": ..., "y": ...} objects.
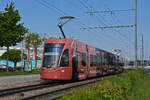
[{"x": 52, "y": 53}]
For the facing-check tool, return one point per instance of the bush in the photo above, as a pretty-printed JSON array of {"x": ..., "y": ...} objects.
[{"x": 109, "y": 88}]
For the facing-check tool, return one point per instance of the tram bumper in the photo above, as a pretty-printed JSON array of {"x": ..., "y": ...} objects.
[
  {"x": 49, "y": 74},
  {"x": 56, "y": 74}
]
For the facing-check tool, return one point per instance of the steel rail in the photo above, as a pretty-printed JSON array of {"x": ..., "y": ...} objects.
[
  {"x": 24, "y": 88},
  {"x": 52, "y": 95}
]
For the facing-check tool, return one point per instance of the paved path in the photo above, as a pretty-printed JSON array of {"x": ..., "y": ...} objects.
[{"x": 4, "y": 80}]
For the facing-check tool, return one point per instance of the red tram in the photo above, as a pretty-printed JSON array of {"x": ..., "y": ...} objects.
[{"x": 68, "y": 59}]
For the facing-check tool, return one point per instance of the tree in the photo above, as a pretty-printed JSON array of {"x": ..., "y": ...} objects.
[
  {"x": 11, "y": 31},
  {"x": 34, "y": 40},
  {"x": 28, "y": 44},
  {"x": 14, "y": 56}
]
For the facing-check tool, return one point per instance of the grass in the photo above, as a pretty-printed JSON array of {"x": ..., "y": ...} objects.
[
  {"x": 131, "y": 85},
  {"x": 141, "y": 89},
  {"x": 18, "y": 73}
]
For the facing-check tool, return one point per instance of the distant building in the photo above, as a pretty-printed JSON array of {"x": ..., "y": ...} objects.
[
  {"x": 39, "y": 51},
  {"x": 131, "y": 63}
]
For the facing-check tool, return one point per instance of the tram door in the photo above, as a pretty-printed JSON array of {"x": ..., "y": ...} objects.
[{"x": 75, "y": 67}]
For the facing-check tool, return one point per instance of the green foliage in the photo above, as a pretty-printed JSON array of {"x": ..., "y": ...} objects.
[
  {"x": 33, "y": 39},
  {"x": 110, "y": 88},
  {"x": 141, "y": 90},
  {"x": 11, "y": 32},
  {"x": 101, "y": 91},
  {"x": 14, "y": 56}
]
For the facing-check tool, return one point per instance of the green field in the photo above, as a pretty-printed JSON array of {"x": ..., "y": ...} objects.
[
  {"x": 131, "y": 85},
  {"x": 141, "y": 89},
  {"x": 18, "y": 73}
]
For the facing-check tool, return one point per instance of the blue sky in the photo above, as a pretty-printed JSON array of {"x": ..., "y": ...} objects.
[{"x": 42, "y": 16}]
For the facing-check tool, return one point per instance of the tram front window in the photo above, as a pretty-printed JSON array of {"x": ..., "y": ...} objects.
[{"x": 52, "y": 53}]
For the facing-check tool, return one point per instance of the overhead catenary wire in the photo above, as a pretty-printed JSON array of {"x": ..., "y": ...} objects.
[
  {"x": 52, "y": 6},
  {"x": 122, "y": 35},
  {"x": 115, "y": 18},
  {"x": 45, "y": 4},
  {"x": 60, "y": 11},
  {"x": 64, "y": 13},
  {"x": 104, "y": 20},
  {"x": 108, "y": 23},
  {"x": 95, "y": 16}
]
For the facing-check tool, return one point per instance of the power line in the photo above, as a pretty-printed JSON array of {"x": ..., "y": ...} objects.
[
  {"x": 73, "y": 4},
  {"x": 118, "y": 31},
  {"x": 61, "y": 12},
  {"x": 55, "y": 7},
  {"x": 91, "y": 13},
  {"x": 115, "y": 30},
  {"x": 106, "y": 27},
  {"x": 104, "y": 20},
  {"x": 114, "y": 17},
  {"x": 110, "y": 11},
  {"x": 84, "y": 5},
  {"x": 102, "y": 17},
  {"x": 95, "y": 16},
  {"x": 58, "y": 10},
  {"x": 51, "y": 7}
]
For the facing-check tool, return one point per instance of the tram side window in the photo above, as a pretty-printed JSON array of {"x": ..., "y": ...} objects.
[
  {"x": 114, "y": 61},
  {"x": 98, "y": 60},
  {"x": 91, "y": 60},
  {"x": 103, "y": 58},
  {"x": 106, "y": 59},
  {"x": 111, "y": 60},
  {"x": 83, "y": 59},
  {"x": 91, "y": 57},
  {"x": 95, "y": 61},
  {"x": 117, "y": 60},
  {"x": 65, "y": 58}
]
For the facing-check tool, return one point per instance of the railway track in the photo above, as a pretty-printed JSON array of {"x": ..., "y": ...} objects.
[
  {"x": 15, "y": 90},
  {"x": 43, "y": 91},
  {"x": 57, "y": 93}
]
